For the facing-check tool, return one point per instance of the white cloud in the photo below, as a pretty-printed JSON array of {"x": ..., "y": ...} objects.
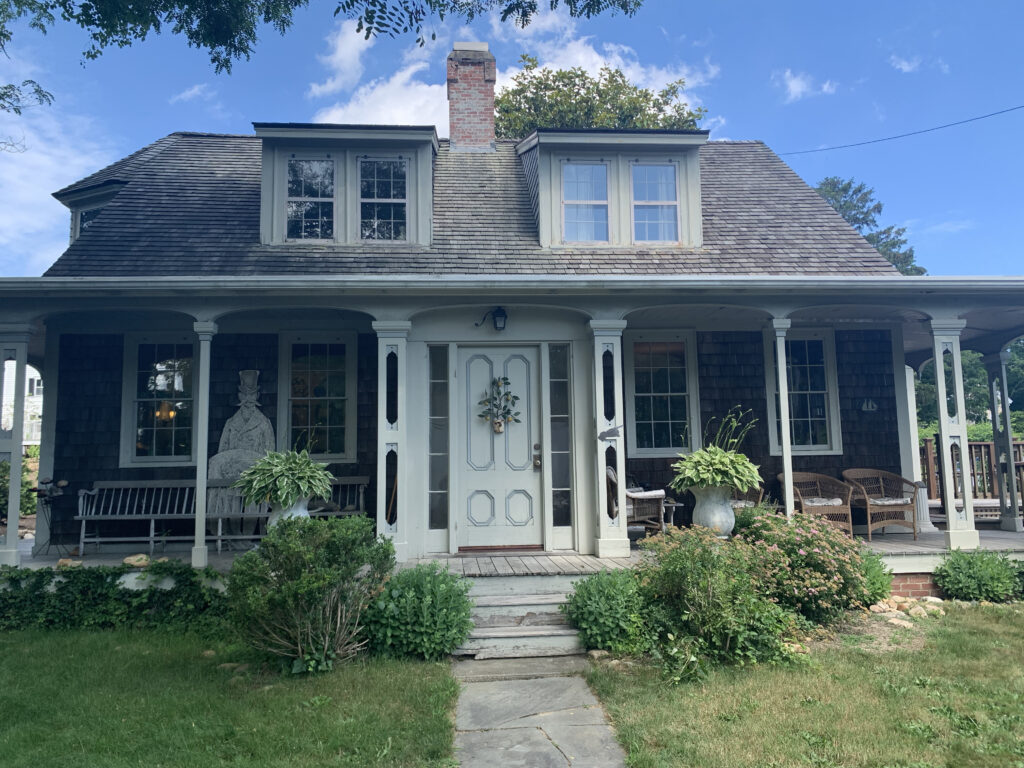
[
  {"x": 905, "y": 66},
  {"x": 401, "y": 99},
  {"x": 344, "y": 61},
  {"x": 198, "y": 91},
  {"x": 60, "y": 148},
  {"x": 942, "y": 66},
  {"x": 948, "y": 227},
  {"x": 800, "y": 85}
]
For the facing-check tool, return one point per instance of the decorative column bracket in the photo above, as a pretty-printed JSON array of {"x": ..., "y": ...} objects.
[
  {"x": 1002, "y": 436},
  {"x": 960, "y": 530}
]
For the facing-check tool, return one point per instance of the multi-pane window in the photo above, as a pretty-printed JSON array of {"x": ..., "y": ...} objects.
[
  {"x": 655, "y": 204},
  {"x": 318, "y": 397},
  {"x": 437, "y": 447},
  {"x": 163, "y": 401},
  {"x": 810, "y": 373},
  {"x": 585, "y": 202},
  {"x": 86, "y": 218},
  {"x": 383, "y": 201},
  {"x": 35, "y": 387},
  {"x": 561, "y": 431},
  {"x": 661, "y": 393},
  {"x": 310, "y": 205}
]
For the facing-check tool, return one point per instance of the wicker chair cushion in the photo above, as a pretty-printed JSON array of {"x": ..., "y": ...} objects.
[
  {"x": 820, "y": 501},
  {"x": 889, "y": 501},
  {"x": 647, "y": 494},
  {"x": 741, "y": 504}
]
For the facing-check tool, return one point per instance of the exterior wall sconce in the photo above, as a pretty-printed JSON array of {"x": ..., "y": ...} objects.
[{"x": 498, "y": 316}]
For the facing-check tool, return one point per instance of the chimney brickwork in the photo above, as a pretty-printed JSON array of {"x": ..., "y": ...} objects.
[{"x": 471, "y": 75}]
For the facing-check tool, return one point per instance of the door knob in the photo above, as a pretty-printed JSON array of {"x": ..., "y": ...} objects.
[{"x": 536, "y": 461}]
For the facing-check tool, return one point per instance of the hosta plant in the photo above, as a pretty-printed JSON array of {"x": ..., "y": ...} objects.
[
  {"x": 283, "y": 478},
  {"x": 715, "y": 467}
]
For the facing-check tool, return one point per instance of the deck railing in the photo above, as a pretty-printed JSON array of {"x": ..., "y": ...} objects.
[{"x": 982, "y": 462}]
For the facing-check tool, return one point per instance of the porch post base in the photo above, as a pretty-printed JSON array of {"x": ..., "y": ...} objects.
[
  {"x": 10, "y": 557},
  {"x": 200, "y": 557},
  {"x": 401, "y": 551},
  {"x": 613, "y": 547},
  {"x": 1011, "y": 524},
  {"x": 965, "y": 539}
]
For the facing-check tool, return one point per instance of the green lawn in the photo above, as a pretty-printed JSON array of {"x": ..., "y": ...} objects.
[
  {"x": 152, "y": 699},
  {"x": 950, "y": 694}
]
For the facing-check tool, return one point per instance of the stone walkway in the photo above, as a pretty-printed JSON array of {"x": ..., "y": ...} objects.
[{"x": 550, "y": 722}]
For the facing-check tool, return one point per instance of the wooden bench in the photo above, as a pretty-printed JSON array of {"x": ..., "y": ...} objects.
[{"x": 158, "y": 502}]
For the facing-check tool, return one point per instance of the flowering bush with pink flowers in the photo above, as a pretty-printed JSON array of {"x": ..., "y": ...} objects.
[{"x": 809, "y": 566}]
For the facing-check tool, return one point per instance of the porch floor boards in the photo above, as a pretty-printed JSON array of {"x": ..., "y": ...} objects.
[
  {"x": 935, "y": 543},
  {"x": 533, "y": 564}
]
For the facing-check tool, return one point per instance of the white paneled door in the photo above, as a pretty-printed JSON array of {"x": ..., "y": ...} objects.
[{"x": 499, "y": 501}]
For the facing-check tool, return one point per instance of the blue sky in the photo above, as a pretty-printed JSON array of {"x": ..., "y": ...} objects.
[{"x": 796, "y": 75}]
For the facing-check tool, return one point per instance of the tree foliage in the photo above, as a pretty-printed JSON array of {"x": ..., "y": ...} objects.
[
  {"x": 572, "y": 98},
  {"x": 856, "y": 203},
  {"x": 976, "y": 392}
]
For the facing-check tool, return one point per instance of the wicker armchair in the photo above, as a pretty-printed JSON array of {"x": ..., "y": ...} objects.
[
  {"x": 888, "y": 498},
  {"x": 643, "y": 508},
  {"x": 747, "y": 499},
  {"x": 823, "y": 496}
]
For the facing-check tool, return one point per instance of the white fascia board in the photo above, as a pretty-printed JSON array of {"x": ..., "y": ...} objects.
[
  {"x": 597, "y": 139},
  {"x": 357, "y": 135}
]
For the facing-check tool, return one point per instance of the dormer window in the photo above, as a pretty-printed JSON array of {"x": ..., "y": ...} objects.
[
  {"x": 383, "y": 209},
  {"x": 585, "y": 202},
  {"x": 310, "y": 203},
  {"x": 655, "y": 203},
  {"x": 86, "y": 217}
]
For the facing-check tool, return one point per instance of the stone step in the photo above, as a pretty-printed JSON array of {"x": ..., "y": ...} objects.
[
  {"x": 518, "y": 610},
  {"x": 489, "y": 670},
  {"x": 491, "y": 586},
  {"x": 521, "y": 642}
]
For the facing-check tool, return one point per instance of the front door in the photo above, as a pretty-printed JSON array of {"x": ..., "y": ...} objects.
[{"x": 499, "y": 500}]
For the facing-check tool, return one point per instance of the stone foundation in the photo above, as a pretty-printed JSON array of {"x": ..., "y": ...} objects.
[{"x": 914, "y": 585}]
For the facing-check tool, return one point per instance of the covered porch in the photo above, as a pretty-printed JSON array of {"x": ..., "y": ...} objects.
[{"x": 822, "y": 362}]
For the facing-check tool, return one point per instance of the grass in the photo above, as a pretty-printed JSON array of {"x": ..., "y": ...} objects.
[
  {"x": 955, "y": 700},
  {"x": 118, "y": 699}
]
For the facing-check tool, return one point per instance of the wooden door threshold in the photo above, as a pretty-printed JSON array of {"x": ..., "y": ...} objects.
[{"x": 507, "y": 549}]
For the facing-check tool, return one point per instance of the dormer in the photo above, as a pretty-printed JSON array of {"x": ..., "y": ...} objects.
[
  {"x": 325, "y": 184},
  {"x": 87, "y": 203},
  {"x": 595, "y": 188}
]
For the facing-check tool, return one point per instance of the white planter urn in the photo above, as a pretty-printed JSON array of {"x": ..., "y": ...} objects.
[
  {"x": 714, "y": 510},
  {"x": 298, "y": 509}
]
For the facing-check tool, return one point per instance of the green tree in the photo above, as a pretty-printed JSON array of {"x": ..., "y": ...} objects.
[
  {"x": 572, "y": 98},
  {"x": 976, "y": 397},
  {"x": 228, "y": 29},
  {"x": 856, "y": 203}
]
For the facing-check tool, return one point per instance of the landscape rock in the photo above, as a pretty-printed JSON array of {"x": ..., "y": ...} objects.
[
  {"x": 903, "y": 606},
  {"x": 228, "y": 665},
  {"x": 931, "y": 599},
  {"x": 918, "y": 612},
  {"x": 901, "y": 623},
  {"x": 985, "y": 603},
  {"x": 878, "y": 608},
  {"x": 67, "y": 562},
  {"x": 597, "y": 654},
  {"x": 208, "y": 654},
  {"x": 137, "y": 561}
]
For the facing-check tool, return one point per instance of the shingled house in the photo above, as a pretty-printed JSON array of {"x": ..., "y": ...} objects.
[{"x": 630, "y": 285}]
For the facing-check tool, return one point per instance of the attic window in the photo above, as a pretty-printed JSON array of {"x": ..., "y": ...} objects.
[
  {"x": 310, "y": 199},
  {"x": 585, "y": 202},
  {"x": 383, "y": 200},
  {"x": 86, "y": 217},
  {"x": 655, "y": 203}
]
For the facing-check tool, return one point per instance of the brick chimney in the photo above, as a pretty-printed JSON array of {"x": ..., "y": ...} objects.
[{"x": 471, "y": 98}]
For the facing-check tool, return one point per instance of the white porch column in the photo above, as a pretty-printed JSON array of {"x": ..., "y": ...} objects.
[
  {"x": 904, "y": 380},
  {"x": 392, "y": 336},
  {"x": 14, "y": 347},
  {"x": 48, "y": 438},
  {"x": 960, "y": 531},
  {"x": 780, "y": 326},
  {"x": 205, "y": 330},
  {"x": 612, "y": 535},
  {"x": 1002, "y": 435}
]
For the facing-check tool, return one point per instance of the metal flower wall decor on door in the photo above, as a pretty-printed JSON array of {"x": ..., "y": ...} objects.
[{"x": 499, "y": 404}]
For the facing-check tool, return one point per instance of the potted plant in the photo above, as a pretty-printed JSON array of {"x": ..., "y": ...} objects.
[
  {"x": 287, "y": 481},
  {"x": 715, "y": 471}
]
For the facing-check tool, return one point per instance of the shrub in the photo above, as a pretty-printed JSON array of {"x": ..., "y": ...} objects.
[
  {"x": 28, "y": 496},
  {"x": 877, "y": 578},
  {"x": 422, "y": 612},
  {"x": 300, "y": 596},
  {"x": 698, "y": 586},
  {"x": 95, "y": 598},
  {"x": 807, "y": 565},
  {"x": 977, "y": 575},
  {"x": 745, "y": 516},
  {"x": 607, "y": 610}
]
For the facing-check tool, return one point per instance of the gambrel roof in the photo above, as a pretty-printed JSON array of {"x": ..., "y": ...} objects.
[{"x": 191, "y": 206}]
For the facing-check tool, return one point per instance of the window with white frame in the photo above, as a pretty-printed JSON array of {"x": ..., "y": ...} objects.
[
  {"x": 662, "y": 403},
  {"x": 813, "y": 392},
  {"x": 584, "y": 202},
  {"x": 319, "y": 412},
  {"x": 310, "y": 203},
  {"x": 158, "y": 420},
  {"x": 383, "y": 199},
  {"x": 655, "y": 203}
]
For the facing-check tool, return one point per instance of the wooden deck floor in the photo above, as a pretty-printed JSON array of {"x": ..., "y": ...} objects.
[{"x": 530, "y": 563}]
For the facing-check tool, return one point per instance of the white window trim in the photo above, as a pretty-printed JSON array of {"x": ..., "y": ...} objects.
[
  {"x": 607, "y": 202},
  {"x": 360, "y": 199},
  {"x": 127, "y": 458},
  {"x": 689, "y": 339},
  {"x": 285, "y": 197},
  {"x": 284, "y": 389},
  {"x": 835, "y": 431},
  {"x": 677, "y": 203}
]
